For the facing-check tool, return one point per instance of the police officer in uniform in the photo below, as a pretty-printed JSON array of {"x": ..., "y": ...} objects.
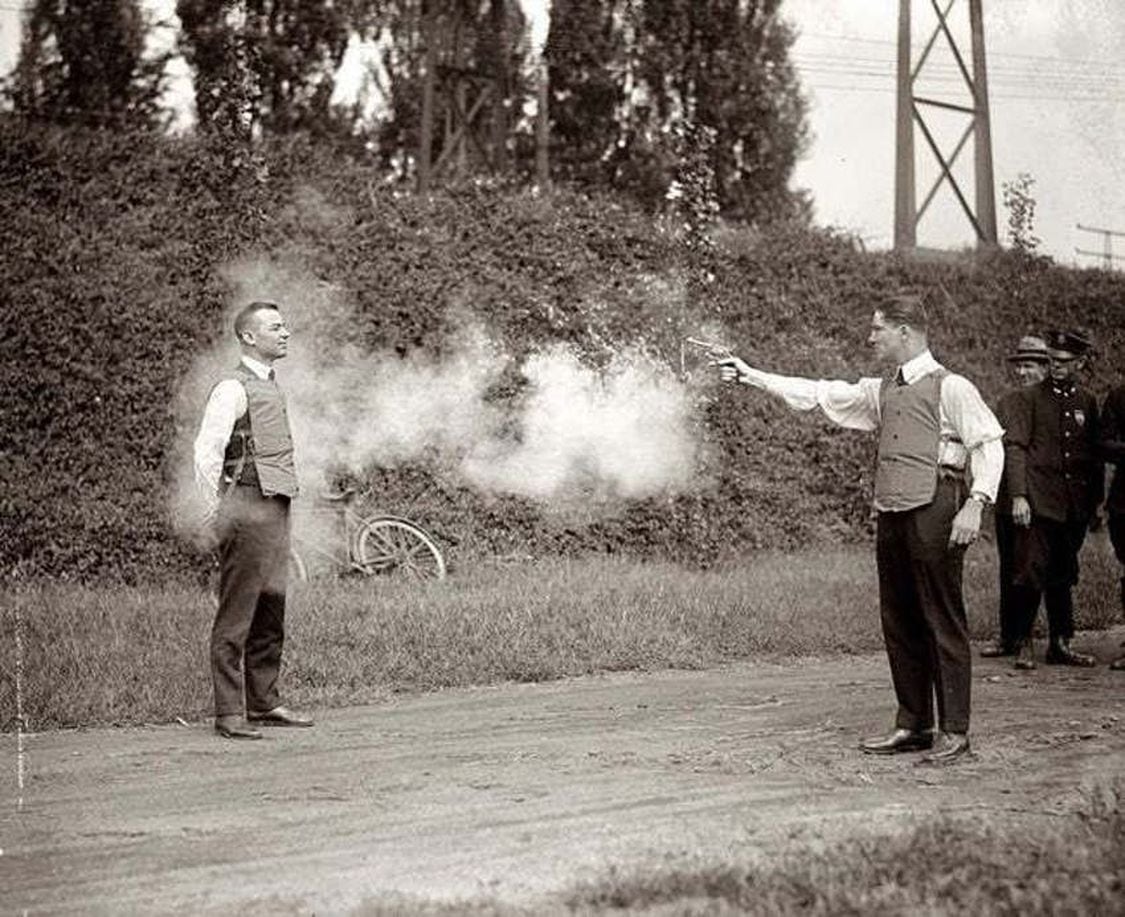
[
  {"x": 1113, "y": 451},
  {"x": 934, "y": 428},
  {"x": 1030, "y": 364},
  {"x": 245, "y": 471},
  {"x": 1056, "y": 480}
]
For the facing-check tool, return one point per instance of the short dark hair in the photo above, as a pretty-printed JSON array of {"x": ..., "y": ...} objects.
[
  {"x": 243, "y": 316},
  {"x": 906, "y": 309}
]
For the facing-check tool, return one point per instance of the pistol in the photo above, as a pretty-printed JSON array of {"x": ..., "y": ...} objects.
[{"x": 714, "y": 350}]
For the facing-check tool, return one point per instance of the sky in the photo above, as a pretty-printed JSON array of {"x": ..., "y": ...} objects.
[{"x": 1057, "y": 87}]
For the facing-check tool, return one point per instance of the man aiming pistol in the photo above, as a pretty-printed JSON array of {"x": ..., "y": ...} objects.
[{"x": 935, "y": 434}]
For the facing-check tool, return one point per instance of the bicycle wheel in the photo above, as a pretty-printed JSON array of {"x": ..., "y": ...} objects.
[{"x": 388, "y": 546}]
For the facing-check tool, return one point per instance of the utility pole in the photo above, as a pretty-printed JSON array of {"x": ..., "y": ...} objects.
[
  {"x": 1106, "y": 254},
  {"x": 542, "y": 126},
  {"x": 906, "y": 210},
  {"x": 910, "y": 115},
  {"x": 426, "y": 130}
]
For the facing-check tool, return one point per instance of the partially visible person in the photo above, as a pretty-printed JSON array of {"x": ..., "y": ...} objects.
[
  {"x": 933, "y": 429},
  {"x": 1030, "y": 363},
  {"x": 1055, "y": 477},
  {"x": 1113, "y": 451},
  {"x": 245, "y": 471}
]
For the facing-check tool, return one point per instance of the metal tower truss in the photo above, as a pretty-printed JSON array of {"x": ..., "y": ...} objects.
[{"x": 912, "y": 111}]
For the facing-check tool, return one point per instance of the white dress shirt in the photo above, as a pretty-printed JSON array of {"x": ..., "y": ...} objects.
[
  {"x": 963, "y": 415},
  {"x": 225, "y": 406}
]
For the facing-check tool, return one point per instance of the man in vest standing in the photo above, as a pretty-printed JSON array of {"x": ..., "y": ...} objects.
[
  {"x": 244, "y": 468},
  {"x": 1056, "y": 479},
  {"x": 933, "y": 428},
  {"x": 1029, "y": 363},
  {"x": 1113, "y": 451}
]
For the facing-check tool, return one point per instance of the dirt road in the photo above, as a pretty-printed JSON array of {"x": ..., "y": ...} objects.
[{"x": 517, "y": 791}]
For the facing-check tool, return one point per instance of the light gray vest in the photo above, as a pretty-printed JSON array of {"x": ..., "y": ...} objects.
[
  {"x": 906, "y": 470},
  {"x": 260, "y": 451}
]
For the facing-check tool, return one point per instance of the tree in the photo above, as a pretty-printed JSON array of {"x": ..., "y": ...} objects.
[
  {"x": 276, "y": 58},
  {"x": 1020, "y": 204},
  {"x": 586, "y": 54},
  {"x": 720, "y": 64},
  {"x": 84, "y": 63}
]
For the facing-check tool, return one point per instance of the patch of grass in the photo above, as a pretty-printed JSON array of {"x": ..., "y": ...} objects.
[
  {"x": 126, "y": 655},
  {"x": 949, "y": 865}
]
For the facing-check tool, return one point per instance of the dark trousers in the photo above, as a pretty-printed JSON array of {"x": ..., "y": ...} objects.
[
  {"x": 1116, "y": 525},
  {"x": 249, "y": 628},
  {"x": 924, "y": 624},
  {"x": 1046, "y": 564},
  {"x": 1006, "y": 554}
]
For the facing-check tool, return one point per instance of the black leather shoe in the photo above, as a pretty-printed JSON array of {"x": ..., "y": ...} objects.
[
  {"x": 995, "y": 649},
  {"x": 278, "y": 716},
  {"x": 1060, "y": 653},
  {"x": 1118, "y": 664},
  {"x": 897, "y": 742},
  {"x": 234, "y": 727},
  {"x": 949, "y": 747}
]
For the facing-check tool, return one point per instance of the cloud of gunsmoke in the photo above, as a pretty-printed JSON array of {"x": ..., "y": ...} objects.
[{"x": 572, "y": 432}]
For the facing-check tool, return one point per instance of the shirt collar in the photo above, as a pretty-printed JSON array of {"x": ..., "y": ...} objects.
[
  {"x": 257, "y": 367},
  {"x": 917, "y": 367}
]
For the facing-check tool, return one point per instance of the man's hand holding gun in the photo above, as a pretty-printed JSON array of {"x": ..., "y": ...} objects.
[{"x": 731, "y": 368}]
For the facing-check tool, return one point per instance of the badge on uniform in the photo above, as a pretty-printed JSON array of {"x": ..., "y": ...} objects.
[{"x": 1080, "y": 418}]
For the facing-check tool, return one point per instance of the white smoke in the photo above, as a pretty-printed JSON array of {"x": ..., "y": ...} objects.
[
  {"x": 382, "y": 409},
  {"x": 624, "y": 431},
  {"x": 575, "y": 432}
]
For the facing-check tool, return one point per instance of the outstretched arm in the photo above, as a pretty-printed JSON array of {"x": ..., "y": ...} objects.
[{"x": 854, "y": 405}]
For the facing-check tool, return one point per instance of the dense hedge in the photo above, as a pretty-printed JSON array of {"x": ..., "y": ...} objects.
[{"x": 113, "y": 282}]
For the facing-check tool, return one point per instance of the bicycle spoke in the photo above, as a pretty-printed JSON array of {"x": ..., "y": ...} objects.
[{"x": 390, "y": 547}]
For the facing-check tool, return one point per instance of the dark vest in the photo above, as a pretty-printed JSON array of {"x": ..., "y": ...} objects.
[
  {"x": 906, "y": 470},
  {"x": 260, "y": 451}
]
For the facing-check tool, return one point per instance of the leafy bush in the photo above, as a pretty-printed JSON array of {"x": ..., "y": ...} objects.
[{"x": 114, "y": 283}]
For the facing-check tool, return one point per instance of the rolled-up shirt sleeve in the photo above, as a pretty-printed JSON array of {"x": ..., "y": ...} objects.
[
  {"x": 226, "y": 404},
  {"x": 979, "y": 431},
  {"x": 854, "y": 405}
]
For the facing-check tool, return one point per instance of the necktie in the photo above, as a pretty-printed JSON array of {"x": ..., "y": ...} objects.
[
  {"x": 900, "y": 379},
  {"x": 270, "y": 376}
]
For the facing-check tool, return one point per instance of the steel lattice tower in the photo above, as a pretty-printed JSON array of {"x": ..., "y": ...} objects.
[{"x": 911, "y": 109}]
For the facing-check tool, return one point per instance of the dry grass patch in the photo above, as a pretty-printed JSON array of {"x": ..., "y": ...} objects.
[
  {"x": 123, "y": 655},
  {"x": 946, "y": 866}
]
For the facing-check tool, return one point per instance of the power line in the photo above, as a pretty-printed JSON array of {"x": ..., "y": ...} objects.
[
  {"x": 1059, "y": 64},
  {"x": 1016, "y": 97},
  {"x": 1106, "y": 254},
  {"x": 884, "y": 69},
  {"x": 1021, "y": 79},
  {"x": 991, "y": 54},
  {"x": 876, "y": 74},
  {"x": 1064, "y": 86}
]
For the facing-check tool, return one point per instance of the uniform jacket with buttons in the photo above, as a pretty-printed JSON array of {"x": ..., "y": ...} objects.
[
  {"x": 1113, "y": 447},
  {"x": 1052, "y": 451}
]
